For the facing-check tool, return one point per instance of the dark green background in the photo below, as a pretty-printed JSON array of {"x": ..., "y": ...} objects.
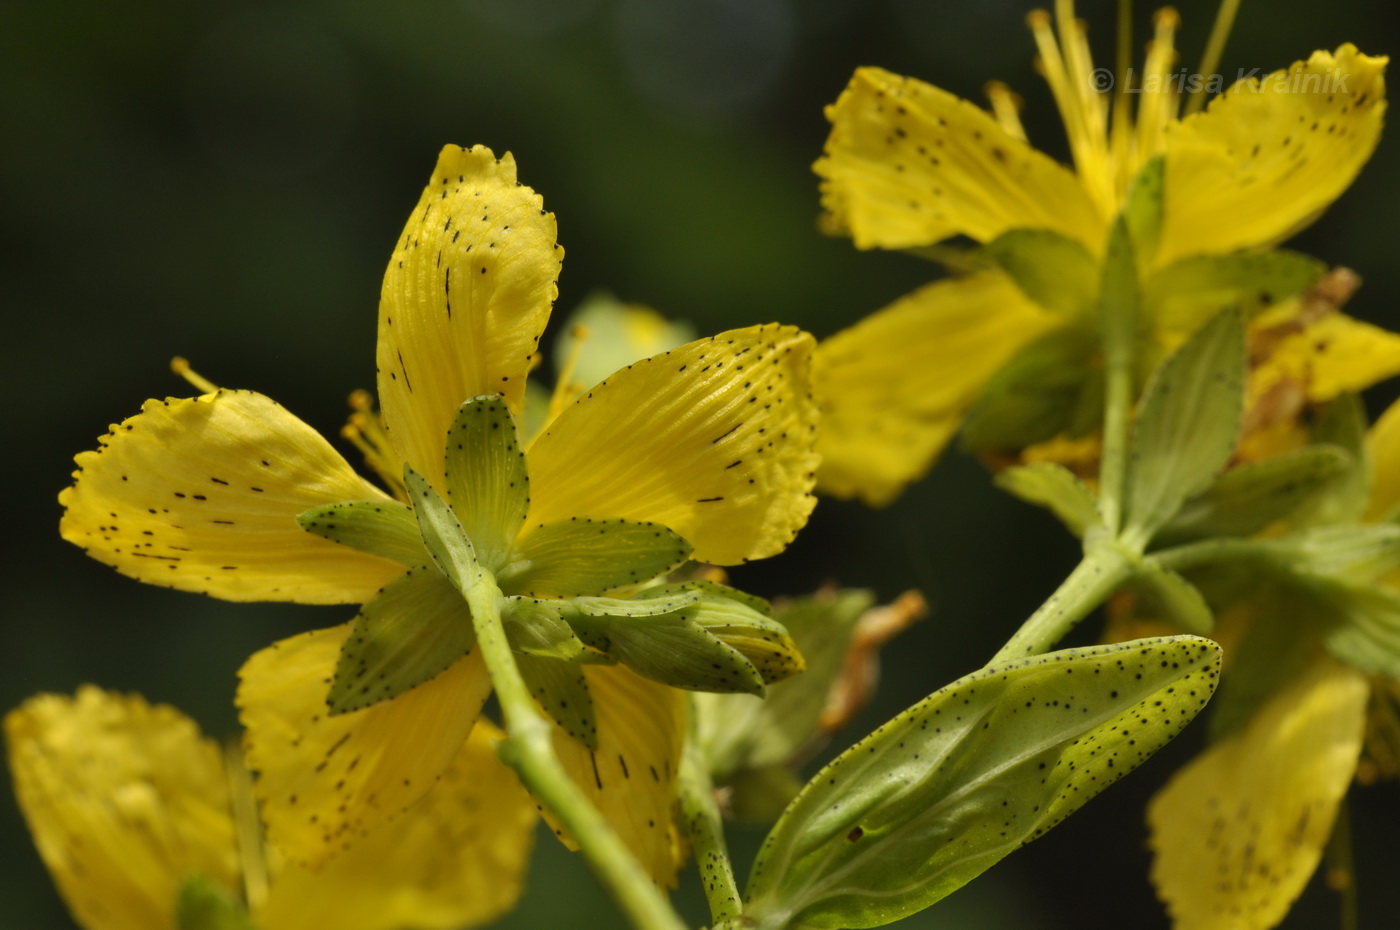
[{"x": 225, "y": 181}]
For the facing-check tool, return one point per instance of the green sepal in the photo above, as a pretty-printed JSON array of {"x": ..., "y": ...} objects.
[
  {"x": 737, "y": 732},
  {"x": 614, "y": 336},
  {"x": 487, "y": 483},
  {"x": 1057, "y": 489},
  {"x": 1247, "y": 498},
  {"x": 642, "y": 604},
  {"x": 535, "y": 627},
  {"x": 1168, "y": 596},
  {"x": 583, "y": 557},
  {"x": 443, "y": 536},
  {"x": 1364, "y": 626},
  {"x": 937, "y": 795},
  {"x": 383, "y": 528},
  {"x": 1053, "y": 385},
  {"x": 1347, "y": 497},
  {"x": 758, "y": 796},
  {"x": 737, "y": 619},
  {"x": 707, "y": 590},
  {"x": 672, "y": 649},
  {"x": 1187, "y": 425},
  {"x": 1277, "y": 643},
  {"x": 1186, "y": 293},
  {"x": 413, "y": 630},
  {"x": 1358, "y": 552},
  {"x": 562, "y": 691},
  {"x": 1142, "y": 208},
  {"x": 203, "y": 904},
  {"x": 1051, "y": 269}
]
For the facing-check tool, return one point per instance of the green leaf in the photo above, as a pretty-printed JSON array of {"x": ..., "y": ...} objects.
[
  {"x": 536, "y": 627},
  {"x": 561, "y": 689},
  {"x": 202, "y": 904},
  {"x": 1056, "y": 488},
  {"x": 1187, "y": 425},
  {"x": 672, "y": 649},
  {"x": 938, "y": 794},
  {"x": 1042, "y": 392},
  {"x": 447, "y": 543},
  {"x": 582, "y": 557},
  {"x": 415, "y": 628},
  {"x": 1142, "y": 208},
  {"x": 1249, "y": 497},
  {"x": 1188, "y": 292},
  {"x": 1168, "y": 596},
  {"x": 1053, "y": 270},
  {"x": 383, "y": 528},
  {"x": 737, "y": 732},
  {"x": 487, "y": 483}
]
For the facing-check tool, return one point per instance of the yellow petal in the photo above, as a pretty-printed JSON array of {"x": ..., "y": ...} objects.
[
  {"x": 908, "y": 164},
  {"x": 893, "y": 388},
  {"x": 1269, "y": 155},
  {"x": 202, "y": 494},
  {"x": 466, "y": 297},
  {"x": 631, "y": 777},
  {"x": 1383, "y": 445},
  {"x": 324, "y": 780},
  {"x": 1239, "y": 831},
  {"x": 713, "y": 440},
  {"x": 454, "y": 859},
  {"x": 1332, "y": 356},
  {"x": 125, "y": 801}
]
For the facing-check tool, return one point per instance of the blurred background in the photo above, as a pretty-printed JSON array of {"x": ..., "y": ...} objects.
[{"x": 225, "y": 181}]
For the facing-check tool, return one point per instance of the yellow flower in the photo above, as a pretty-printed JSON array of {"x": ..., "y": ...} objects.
[
  {"x": 129, "y": 806},
  {"x": 1239, "y": 831},
  {"x": 908, "y": 165},
  {"x": 706, "y": 448}
]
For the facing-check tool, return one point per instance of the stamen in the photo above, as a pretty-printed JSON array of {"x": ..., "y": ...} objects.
[
  {"x": 565, "y": 390},
  {"x": 1006, "y": 107},
  {"x": 365, "y": 431},
  {"x": 252, "y": 856},
  {"x": 1215, "y": 47},
  {"x": 1067, "y": 97},
  {"x": 1158, "y": 99},
  {"x": 1121, "y": 128},
  {"x": 181, "y": 366}
]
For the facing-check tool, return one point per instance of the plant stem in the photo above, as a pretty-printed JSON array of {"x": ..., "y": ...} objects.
[
  {"x": 1118, "y": 330},
  {"x": 1103, "y": 568},
  {"x": 705, "y": 827},
  {"x": 529, "y": 749}
]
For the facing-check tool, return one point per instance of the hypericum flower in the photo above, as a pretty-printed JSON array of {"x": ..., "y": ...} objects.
[
  {"x": 705, "y": 450},
  {"x": 1238, "y": 832},
  {"x": 908, "y": 165},
  {"x": 143, "y": 823}
]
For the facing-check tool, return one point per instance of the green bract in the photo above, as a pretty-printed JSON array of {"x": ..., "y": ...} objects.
[{"x": 938, "y": 794}]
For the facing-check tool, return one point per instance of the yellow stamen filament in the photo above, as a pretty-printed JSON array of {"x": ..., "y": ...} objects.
[
  {"x": 181, "y": 366},
  {"x": 565, "y": 390},
  {"x": 1158, "y": 100},
  {"x": 1072, "y": 84},
  {"x": 1120, "y": 142},
  {"x": 1006, "y": 107},
  {"x": 252, "y": 856},
  {"x": 365, "y": 431},
  {"x": 1215, "y": 47}
]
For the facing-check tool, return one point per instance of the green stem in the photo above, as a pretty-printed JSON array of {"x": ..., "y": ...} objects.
[
  {"x": 529, "y": 749},
  {"x": 1103, "y": 569},
  {"x": 1118, "y": 330},
  {"x": 705, "y": 827}
]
